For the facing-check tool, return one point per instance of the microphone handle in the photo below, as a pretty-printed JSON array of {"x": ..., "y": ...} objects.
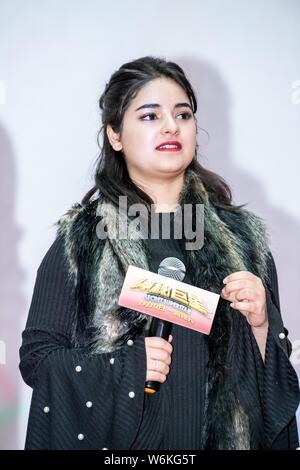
[{"x": 162, "y": 329}]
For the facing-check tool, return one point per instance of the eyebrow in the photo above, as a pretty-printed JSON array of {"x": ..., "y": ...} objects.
[{"x": 155, "y": 105}]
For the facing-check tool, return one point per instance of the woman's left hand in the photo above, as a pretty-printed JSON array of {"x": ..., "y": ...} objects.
[{"x": 247, "y": 294}]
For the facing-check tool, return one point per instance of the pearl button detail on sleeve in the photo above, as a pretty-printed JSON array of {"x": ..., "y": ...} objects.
[
  {"x": 281, "y": 335},
  {"x": 46, "y": 409},
  {"x": 78, "y": 368},
  {"x": 131, "y": 394},
  {"x": 89, "y": 404},
  {"x": 80, "y": 437},
  {"x": 112, "y": 360},
  {"x": 130, "y": 342}
]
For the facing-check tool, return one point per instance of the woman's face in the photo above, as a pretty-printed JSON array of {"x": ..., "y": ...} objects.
[{"x": 158, "y": 137}]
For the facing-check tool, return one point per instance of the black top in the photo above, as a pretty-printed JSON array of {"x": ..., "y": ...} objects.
[
  {"x": 83, "y": 401},
  {"x": 173, "y": 417}
]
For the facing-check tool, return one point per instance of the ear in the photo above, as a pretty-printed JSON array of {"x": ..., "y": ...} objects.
[{"x": 114, "y": 138}]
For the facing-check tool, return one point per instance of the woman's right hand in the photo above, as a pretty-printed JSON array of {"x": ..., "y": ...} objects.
[{"x": 158, "y": 352}]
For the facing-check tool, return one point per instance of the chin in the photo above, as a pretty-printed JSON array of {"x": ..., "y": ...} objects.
[{"x": 175, "y": 168}]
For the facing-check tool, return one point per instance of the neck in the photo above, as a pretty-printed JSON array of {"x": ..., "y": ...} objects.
[{"x": 164, "y": 193}]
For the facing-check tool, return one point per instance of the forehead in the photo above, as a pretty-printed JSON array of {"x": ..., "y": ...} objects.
[{"x": 163, "y": 91}]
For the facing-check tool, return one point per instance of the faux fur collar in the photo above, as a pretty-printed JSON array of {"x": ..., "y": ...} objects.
[{"x": 234, "y": 240}]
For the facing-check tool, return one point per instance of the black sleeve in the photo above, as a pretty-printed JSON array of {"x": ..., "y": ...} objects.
[
  {"x": 280, "y": 383},
  {"x": 80, "y": 400}
]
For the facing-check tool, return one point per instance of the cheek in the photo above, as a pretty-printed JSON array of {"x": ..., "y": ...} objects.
[
  {"x": 191, "y": 131},
  {"x": 194, "y": 132},
  {"x": 139, "y": 143},
  {"x": 192, "y": 139},
  {"x": 134, "y": 147}
]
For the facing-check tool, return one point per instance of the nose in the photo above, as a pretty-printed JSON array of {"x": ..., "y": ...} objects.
[{"x": 170, "y": 126}]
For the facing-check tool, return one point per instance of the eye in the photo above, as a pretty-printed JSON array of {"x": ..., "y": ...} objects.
[
  {"x": 185, "y": 116},
  {"x": 148, "y": 117}
]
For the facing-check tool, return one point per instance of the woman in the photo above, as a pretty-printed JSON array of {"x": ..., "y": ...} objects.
[{"x": 87, "y": 358}]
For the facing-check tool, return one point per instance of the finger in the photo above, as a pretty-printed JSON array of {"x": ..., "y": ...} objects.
[
  {"x": 244, "y": 307},
  {"x": 253, "y": 318},
  {"x": 159, "y": 366},
  {"x": 239, "y": 275},
  {"x": 242, "y": 295},
  {"x": 156, "y": 376},
  {"x": 233, "y": 286},
  {"x": 158, "y": 343},
  {"x": 158, "y": 355},
  {"x": 246, "y": 295}
]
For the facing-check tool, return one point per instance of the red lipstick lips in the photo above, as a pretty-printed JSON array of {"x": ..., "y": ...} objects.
[{"x": 169, "y": 146}]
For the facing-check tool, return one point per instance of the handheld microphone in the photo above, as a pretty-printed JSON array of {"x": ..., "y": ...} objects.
[{"x": 175, "y": 269}]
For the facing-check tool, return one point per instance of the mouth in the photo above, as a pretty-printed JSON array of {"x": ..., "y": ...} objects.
[{"x": 170, "y": 146}]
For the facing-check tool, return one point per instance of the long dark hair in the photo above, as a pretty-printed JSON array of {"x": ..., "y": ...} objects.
[{"x": 112, "y": 178}]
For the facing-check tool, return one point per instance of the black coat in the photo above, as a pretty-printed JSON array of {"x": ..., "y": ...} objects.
[{"x": 95, "y": 401}]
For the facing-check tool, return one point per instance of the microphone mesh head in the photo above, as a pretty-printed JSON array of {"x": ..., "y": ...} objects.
[{"x": 172, "y": 267}]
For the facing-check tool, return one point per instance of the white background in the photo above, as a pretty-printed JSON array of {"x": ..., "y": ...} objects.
[{"x": 55, "y": 57}]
